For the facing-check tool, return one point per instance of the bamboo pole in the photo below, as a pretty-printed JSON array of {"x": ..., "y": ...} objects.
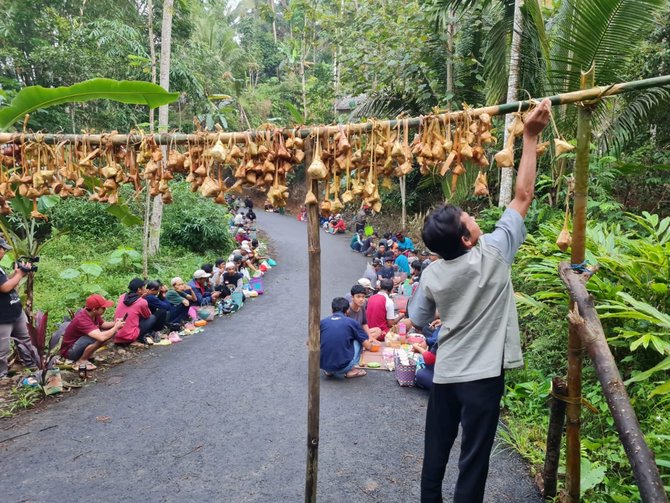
[
  {"x": 314, "y": 344},
  {"x": 552, "y": 458},
  {"x": 587, "y": 325},
  {"x": 593, "y": 93},
  {"x": 575, "y": 351}
]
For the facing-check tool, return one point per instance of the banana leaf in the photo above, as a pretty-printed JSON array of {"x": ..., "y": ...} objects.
[{"x": 125, "y": 91}]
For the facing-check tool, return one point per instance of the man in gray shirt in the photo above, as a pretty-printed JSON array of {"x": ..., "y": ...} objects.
[{"x": 472, "y": 290}]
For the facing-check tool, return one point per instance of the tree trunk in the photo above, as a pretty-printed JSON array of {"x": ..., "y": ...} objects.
[
  {"x": 303, "y": 55},
  {"x": 451, "y": 30},
  {"x": 314, "y": 346},
  {"x": 575, "y": 350},
  {"x": 147, "y": 198},
  {"x": 507, "y": 174},
  {"x": 166, "y": 42},
  {"x": 554, "y": 434},
  {"x": 274, "y": 20},
  {"x": 587, "y": 325}
]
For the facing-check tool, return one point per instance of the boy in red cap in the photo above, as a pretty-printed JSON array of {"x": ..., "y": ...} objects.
[{"x": 87, "y": 332}]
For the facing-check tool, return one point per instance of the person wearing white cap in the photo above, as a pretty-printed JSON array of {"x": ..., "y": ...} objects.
[{"x": 200, "y": 285}]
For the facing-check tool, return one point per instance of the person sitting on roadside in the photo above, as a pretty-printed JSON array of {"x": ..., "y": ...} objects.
[
  {"x": 241, "y": 235},
  {"x": 251, "y": 216},
  {"x": 357, "y": 306},
  {"x": 381, "y": 251},
  {"x": 181, "y": 297},
  {"x": 415, "y": 275},
  {"x": 401, "y": 261},
  {"x": 165, "y": 312},
  {"x": 369, "y": 245},
  {"x": 341, "y": 342},
  {"x": 219, "y": 268},
  {"x": 133, "y": 308},
  {"x": 337, "y": 225},
  {"x": 238, "y": 219},
  {"x": 302, "y": 214},
  {"x": 424, "y": 376},
  {"x": 357, "y": 241},
  {"x": 88, "y": 332},
  {"x": 387, "y": 271},
  {"x": 371, "y": 272},
  {"x": 232, "y": 278},
  {"x": 380, "y": 310},
  {"x": 404, "y": 242},
  {"x": 200, "y": 286}
]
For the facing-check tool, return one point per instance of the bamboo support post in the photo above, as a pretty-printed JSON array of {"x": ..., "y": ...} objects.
[
  {"x": 314, "y": 316},
  {"x": 593, "y": 93},
  {"x": 575, "y": 351},
  {"x": 554, "y": 434},
  {"x": 586, "y": 323}
]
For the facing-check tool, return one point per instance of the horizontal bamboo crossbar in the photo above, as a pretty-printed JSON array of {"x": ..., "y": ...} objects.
[{"x": 595, "y": 93}]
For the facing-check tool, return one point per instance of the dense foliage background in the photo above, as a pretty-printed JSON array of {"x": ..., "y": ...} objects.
[{"x": 239, "y": 64}]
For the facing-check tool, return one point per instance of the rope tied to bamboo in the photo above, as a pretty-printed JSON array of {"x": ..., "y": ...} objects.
[{"x": 575, "y": 401}]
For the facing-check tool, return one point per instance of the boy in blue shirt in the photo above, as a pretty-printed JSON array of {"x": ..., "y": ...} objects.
[{"x": 341, "y": 341}]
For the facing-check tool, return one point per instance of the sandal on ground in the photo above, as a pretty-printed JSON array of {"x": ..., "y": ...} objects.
[
  {"x": 328, "y": 374},
  {"x": 355, "y": 373},
  {"x": 89, "y": 366}
]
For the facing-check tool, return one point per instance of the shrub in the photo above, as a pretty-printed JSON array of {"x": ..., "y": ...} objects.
[
  {"x": 195, "y": 223},
  {"x": 85, "y": 219}
]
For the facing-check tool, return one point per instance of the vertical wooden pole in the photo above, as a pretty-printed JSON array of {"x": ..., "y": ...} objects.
[
  {"x": 314, "y": 316},
  {"x": 575, "y": 349},
  {"x": 554, "y": 434}
]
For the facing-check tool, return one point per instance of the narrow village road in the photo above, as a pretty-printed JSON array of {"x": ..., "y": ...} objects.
[{"x": 221, "y": 417}]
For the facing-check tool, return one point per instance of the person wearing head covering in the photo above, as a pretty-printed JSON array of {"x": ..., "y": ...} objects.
[
  {"x": 133, "y": 308},
  {"x": 180, "y": 295},
  {"x": 88, "y": 332},
  {"x": 12, "y": 318},
  {"x": 200, "y": 286},
  {"x": 337, "y": 225}
]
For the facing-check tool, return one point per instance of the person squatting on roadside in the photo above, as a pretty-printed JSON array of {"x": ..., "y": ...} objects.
[
  {"x": 13, "y": 321},
  {"x": 471, "y": 288},
  {"x": 341, "y": 341},
  {"x": 88, "y": 332}
]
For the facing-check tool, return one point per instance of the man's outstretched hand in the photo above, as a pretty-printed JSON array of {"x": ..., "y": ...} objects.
[{"x": 538, "y": 119}]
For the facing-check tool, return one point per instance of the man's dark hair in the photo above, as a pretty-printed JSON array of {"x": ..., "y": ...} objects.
[
  {"x": 443, "y": 230},
  {"x": 358, "y": 289},
  {"x": 208, "y": 268},
  {"x": 387, "y": 235},
  {"x": 153, "y": 285},
  {"x": 135, "y": 284},
  {"x": 386, "y": 284},
  {"x": 416, "y": 265},
  {"x": 382, "y": 244},
  {"x": 340, "y": 305},
  {"x": 254, "y": 242},
  {"x": 218, "y": 262}
]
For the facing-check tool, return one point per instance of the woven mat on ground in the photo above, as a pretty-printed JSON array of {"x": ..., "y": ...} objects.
[{"x": 378, "y": 357}]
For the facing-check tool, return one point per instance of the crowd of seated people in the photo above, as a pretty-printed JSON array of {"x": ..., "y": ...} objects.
[
  {"x": 365, "y": 315},
  {"x": 153, "y": 312}
]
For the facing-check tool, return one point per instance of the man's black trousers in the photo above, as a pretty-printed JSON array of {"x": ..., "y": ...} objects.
[{"x": 476, "y": 406}]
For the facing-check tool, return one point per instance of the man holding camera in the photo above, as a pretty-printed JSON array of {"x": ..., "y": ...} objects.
[{"x": 13, "y": 321}]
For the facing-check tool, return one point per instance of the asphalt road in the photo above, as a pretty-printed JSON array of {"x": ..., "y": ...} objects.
[{"x": 221, "y": 417}]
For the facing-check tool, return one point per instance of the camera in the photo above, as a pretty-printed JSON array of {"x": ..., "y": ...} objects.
[{"x": 30, "y": 261}]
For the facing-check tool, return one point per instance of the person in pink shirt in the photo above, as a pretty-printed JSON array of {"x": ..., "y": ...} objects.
[{"x": 134, "y": 309}]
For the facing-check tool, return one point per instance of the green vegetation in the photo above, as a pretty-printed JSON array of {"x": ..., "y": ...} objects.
[
  {"x": 101, "y": 255},
  {"x": 242, "y": 64}
]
